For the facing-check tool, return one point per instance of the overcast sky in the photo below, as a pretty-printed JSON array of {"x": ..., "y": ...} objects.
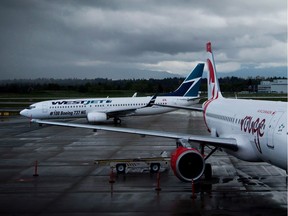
[{"x": 104, "y": 38}]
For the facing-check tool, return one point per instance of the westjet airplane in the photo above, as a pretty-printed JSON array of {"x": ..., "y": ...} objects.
[
  {"x": 251, "y": 130},
  {"x": 102, "y": 109}
]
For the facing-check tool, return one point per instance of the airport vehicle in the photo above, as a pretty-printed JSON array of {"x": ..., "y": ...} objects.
[
  {"x": 151, "y": 164},
  {"x": 251, "y": 130},
  {"x": 102, "y": 109}
]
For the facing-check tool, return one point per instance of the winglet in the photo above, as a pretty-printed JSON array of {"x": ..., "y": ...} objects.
[{"x": 213, "y": 83}]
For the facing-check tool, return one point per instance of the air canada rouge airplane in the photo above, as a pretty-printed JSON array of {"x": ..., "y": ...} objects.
[
  {"x": 102, "y": 109},
  {"x": 251, "y": 130}
]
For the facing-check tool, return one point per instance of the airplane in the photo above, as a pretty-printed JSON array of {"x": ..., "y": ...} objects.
[
  {"x": 101, "y": 109},
  {"x": 250, "y": 130}
]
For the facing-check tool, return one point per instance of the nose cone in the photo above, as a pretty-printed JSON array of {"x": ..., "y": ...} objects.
[{"x": 24, "y": 113}]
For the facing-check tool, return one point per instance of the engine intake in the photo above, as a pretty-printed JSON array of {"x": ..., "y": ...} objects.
[{"x": 187, "y": 163}]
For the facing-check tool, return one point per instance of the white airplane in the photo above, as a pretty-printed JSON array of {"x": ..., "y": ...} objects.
[
  {"x": 251, "y": 130},
  {"x": 102, "y": 109}
]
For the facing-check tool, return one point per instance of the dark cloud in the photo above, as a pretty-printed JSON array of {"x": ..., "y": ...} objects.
[{"x": 73, "y": 38}]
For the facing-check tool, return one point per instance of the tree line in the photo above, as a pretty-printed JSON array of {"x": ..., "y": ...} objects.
[{"x": 228, "y": 84}]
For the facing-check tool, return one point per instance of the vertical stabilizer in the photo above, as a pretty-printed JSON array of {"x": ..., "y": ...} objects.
[
  {"x": 191, "y": 85},
  {"x": 213, "y": 84}
]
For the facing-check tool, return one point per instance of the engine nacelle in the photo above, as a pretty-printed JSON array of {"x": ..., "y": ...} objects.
[
  {"x": 187, "y": 164},
  {"x": 96, "y": 117}
]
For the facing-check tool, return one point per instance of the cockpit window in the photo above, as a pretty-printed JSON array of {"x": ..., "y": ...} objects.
[{"x": 32, "y": 107}]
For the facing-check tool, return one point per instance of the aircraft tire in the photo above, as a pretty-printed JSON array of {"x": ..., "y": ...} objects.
[
  {"x": 154, "y": 167},
  {"x": 120, "y": 168},
  {"x": 117, "y": 121},
  {"x": 208, "y": 171}
]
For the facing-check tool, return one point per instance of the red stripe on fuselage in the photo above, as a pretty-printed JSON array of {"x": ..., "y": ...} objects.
[{"x": 204, "y": 111}]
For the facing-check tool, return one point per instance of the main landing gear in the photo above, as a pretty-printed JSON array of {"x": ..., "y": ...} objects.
[
  {"x": 117, "y": 121},
  {"x": 208, "y": 171},
  {"x": 208, "y": 166}
]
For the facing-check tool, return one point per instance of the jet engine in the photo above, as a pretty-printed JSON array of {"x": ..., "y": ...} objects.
[
  {"x": 96, "y": 117},
  {"x": 187, "y": 164}
]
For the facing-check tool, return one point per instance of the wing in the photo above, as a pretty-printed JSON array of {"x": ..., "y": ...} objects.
[
  {"x": 128, "y": 112},
  {"x": 121, "y": 113},
  {"x": 227, "y": 143},
  {"x": 182, "y": 107}
]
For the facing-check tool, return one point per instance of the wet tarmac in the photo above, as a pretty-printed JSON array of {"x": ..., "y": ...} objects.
[{"x": 69, "y": 183}]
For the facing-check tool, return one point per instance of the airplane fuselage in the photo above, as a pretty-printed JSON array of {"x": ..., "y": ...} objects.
[
  {"x": 260, "y": 128},
  {"x": 78, "y": 108}
]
